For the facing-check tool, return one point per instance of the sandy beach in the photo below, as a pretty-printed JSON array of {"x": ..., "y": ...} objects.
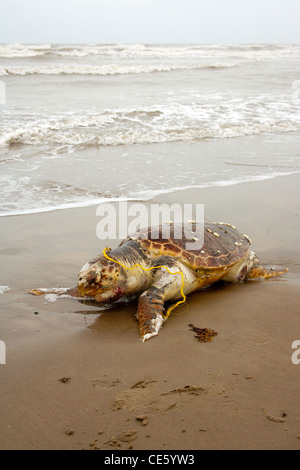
[{"x": 78, "y": 377}]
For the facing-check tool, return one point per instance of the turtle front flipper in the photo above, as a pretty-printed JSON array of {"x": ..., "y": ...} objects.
[
  {"x": 168, "y": 285},
  {"x": 72, "y": 292},
  {"x": 150, "y": 312}
]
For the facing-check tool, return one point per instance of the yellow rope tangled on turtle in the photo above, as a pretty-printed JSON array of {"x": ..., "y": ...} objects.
[{"x": 170, "y": 309}]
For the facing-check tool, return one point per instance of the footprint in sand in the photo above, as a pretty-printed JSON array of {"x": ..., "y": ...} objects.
[
  {"x": 140, "y": 395},
  {"x": 144, "y": 394},
  {"x": 105, "y": 383},
  {"x": 122, "y": 438},
  {"x": 257, "y": 339},
  {"x": 189, "y": 389}
]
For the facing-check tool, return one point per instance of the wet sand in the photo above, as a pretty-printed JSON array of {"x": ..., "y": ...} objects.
[{"x": 78, "y": 377}]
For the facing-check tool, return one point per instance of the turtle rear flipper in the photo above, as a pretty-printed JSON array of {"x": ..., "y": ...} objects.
[{"x": 265, "y": 272}]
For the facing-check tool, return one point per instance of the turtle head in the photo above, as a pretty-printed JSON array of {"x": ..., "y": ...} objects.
[{"x": 103, "y": 280}]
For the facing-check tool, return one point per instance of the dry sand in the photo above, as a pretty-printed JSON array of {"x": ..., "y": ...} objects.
[{"x": 78, "y": 377}]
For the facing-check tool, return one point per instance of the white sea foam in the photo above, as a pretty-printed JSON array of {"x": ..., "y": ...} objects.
[
  {"x": 143, "y": 195},
  {"x": 52, "y": 297},
  {"x": 23, "y": 50},
  {"x": 108, "y": 69},
  {"x": 63, "y": 206},
  {"x": 191, "y": 51},
  {"x": 4, "y": 289},
  {"x": 214, "y": 116}
]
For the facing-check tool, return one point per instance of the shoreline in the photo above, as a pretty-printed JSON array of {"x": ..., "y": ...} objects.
[
  {"x": 220, "y": 395},
  {"x": 160, "y": 194}
]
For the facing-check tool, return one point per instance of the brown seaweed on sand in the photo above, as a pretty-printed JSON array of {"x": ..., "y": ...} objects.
[{"x": 204, "y": 335}]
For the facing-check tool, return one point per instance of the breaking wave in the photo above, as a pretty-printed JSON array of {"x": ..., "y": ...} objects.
[
  {"x": 236, "y": 51},
  {"x": 109, "y": 69},
  {"x": 217, "y": 117}
]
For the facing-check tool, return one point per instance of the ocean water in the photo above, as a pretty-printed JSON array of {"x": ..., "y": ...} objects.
[{"x": 83, "y": 124}]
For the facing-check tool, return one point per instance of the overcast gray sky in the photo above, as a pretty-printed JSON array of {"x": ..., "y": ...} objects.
[{"x": 149, "y": 21}]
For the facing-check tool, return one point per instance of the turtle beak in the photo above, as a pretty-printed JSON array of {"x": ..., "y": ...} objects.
[{"x": 88, "y": 281}]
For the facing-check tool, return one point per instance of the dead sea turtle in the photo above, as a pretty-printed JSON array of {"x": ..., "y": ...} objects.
[{"x": 157, "y": 270}]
